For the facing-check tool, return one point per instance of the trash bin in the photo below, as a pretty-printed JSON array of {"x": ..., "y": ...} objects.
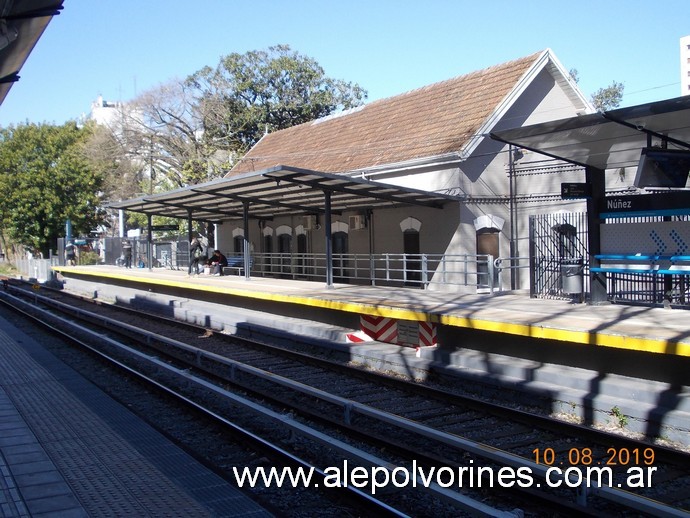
[{"x": 572, "y": 276}]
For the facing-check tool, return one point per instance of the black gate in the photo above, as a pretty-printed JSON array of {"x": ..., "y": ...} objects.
[{"x": 559, "y": 255}]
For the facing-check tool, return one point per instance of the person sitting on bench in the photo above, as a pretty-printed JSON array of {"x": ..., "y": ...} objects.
[{"x": 217, "y": 261}]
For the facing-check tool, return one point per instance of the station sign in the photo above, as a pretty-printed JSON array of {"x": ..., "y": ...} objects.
[
  {"x": 164, "y": 227},
  {"x": 571, "y": 191},
  {"x": 673, "y": 203}
]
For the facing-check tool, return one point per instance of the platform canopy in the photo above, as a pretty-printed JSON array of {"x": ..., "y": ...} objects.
[
  {"x": 279, "y": 191},
  {"x": 22, "y": 23},
  {"x": 610, "y": 139}
]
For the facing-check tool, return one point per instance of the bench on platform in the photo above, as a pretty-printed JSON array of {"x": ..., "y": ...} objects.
[
  {"x": 236, "y": 265},
  {"x": 649, "y": 264}
]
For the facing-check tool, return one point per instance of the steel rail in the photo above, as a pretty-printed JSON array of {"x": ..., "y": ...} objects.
[
  {"x": 349, "y": 407},
  {"x": 380, "y": 506},
  {"x": 461, "y": 501}
]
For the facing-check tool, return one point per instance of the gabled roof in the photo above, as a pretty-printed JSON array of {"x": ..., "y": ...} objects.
[{"x": 438, "y": 120}]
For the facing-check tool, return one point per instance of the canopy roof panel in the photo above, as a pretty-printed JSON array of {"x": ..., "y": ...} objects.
[
  {"x": 279, "y": 191},
  {"x": 23, "y": 23},
  {"x": 610, "y": 139}
]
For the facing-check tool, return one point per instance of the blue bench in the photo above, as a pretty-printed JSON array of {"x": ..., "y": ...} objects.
[
  {"x": 650, "y": 264},
  {"x": 236, "y": 265}
]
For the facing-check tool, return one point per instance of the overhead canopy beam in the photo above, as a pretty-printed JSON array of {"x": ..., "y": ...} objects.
[
  {"x": 24, "y": 22},
  {"x": 607, "y": 140},
  {"x": 346, "y": 185},
  {"x": 601, "y": 141},
  {"x": 280, "y": 191},
  {"x": 663, "y": 137},
  {"x": 258, "y": 199}
]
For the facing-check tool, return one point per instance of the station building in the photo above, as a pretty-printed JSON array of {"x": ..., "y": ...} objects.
[
  {"x": 434, "y": 139},
  {"x": 428, "y": 188}
]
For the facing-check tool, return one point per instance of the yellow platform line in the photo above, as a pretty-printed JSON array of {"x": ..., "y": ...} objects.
[{"x": 598, "y": 339}]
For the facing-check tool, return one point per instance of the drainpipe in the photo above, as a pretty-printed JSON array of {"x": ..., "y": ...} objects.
[{"x": 329, "y": 241}]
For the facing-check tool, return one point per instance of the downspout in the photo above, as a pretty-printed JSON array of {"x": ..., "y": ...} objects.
[{"x": 329, "y": 240}]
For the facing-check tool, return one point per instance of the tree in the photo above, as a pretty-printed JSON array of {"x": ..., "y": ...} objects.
[
  {"x": 46, "y": 180},
  {"x": 609, "y": 97},
  {"x": 247, "y": 95},
  {"x": 190, "y": 131},
  {"x": 604, "y": 98}
]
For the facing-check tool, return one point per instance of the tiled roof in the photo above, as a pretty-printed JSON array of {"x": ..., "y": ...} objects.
[{"x": 427, "y": 122}]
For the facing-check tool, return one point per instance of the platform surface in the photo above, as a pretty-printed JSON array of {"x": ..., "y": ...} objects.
[
  {"x": 656, "y": 330},
  {"x": 69, "y": 450}
]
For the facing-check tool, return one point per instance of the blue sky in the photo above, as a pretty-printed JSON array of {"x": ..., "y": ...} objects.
[{"x": 121, "y": 48}]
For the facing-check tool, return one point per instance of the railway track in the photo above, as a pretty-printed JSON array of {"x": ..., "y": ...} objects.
[{"x": 507, "y": 459}]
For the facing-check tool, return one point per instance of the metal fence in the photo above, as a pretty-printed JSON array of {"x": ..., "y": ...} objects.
[
  {"x": 644, "y": 288},
  {"x": 38, "y": 269},
  {"x": 411, "y": 270},
  {"x": 558, "y": 243},
  {"x": 648, "y": 289},
  {"x": 168, "y": 253},
  {"x": 408, "y": 270}
]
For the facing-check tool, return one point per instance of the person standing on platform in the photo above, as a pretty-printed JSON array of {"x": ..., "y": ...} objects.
[
  {"x": 217, "y": 262},
  {"x": 71, "y": 254},
  {"x": 196, "y": 251},
  {"x": 127, "y": 252}
]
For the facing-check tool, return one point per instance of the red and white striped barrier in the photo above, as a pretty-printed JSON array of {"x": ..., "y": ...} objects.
[{"x": 393, "y": 331}]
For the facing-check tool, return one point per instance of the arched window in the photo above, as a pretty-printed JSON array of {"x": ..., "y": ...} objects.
[
  {"x": 238, "y": 241},
  {"x": 238, "y": 245}
]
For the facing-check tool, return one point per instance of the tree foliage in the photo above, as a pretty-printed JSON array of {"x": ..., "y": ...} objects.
[
  {"x": 247, "y": 95},
  {"x": 609, "y": 97},
  {"x": 46, "y": 179},
  {"x": 604, "y": 98},
  {"x": 190, "y": 131}
]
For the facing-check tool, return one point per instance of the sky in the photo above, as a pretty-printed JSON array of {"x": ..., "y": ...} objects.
[{"x": 122, "y": 48}]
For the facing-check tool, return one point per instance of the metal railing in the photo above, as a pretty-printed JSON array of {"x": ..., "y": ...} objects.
[
  {"x": 512, "y": 264},
  {"x": 420, "y": 271},
  {"x": 413, "y": 270}
]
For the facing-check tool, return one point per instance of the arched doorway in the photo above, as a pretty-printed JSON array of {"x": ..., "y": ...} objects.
[
  {"x": 340, "y": 240},
  {"x": 284, "y": 234},
  {"x": 412, "y": 250},
  {"x": 488, "y": 231}
]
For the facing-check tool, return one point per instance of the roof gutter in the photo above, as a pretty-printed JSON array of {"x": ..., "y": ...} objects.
[{"x": 418, "y": 165}]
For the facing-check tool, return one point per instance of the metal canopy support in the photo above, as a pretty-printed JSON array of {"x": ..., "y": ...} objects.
[
  {"x": 329, "y": 239},
  {"x": 184, "y": 206},
  {"x": 257, "y": 199},
  {"x": 190, "y": 225},
  {"x": 606, "y": 140},
  {"x": 648, "y": 132},
  {"x": 149, "y": 239},
  {"x": 245, "y": 242},
  {"x": 597, "y": 281},
  {"x": 22, "y": 24},
  {"x": 347, "y": 185},
  {"x": 280, "y": 191}
]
